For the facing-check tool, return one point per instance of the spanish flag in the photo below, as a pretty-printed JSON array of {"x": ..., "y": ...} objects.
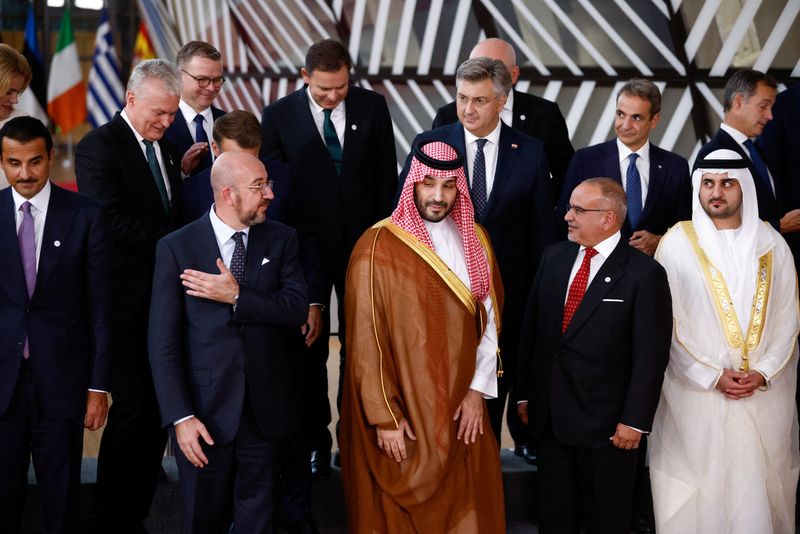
[
  {"x": 143, "y": 48},
  {"x": 66, "y": 94}
]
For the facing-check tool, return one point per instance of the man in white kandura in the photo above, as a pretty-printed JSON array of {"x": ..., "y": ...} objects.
[{"x": 724, "y": 447}]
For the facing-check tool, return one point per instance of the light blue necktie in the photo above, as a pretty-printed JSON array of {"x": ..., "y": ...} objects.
[{"x": 633, "y": 185}]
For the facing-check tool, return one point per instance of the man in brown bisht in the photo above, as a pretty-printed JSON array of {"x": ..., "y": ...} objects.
[{"x": 423, "y": 303}]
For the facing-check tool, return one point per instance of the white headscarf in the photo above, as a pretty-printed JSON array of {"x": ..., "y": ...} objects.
[{"x": 735, "y": 253}]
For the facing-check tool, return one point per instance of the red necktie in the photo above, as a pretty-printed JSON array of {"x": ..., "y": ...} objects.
[{"x": 577, "y": 288}]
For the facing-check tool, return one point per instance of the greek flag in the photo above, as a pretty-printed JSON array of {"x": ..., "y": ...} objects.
[{"x": 106, "y": 92}]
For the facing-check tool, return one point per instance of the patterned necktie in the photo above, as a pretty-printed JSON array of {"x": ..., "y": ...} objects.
[
  {"x": 332, "y": 141},
  {"x": 577, "y": 288},
  {"x": 27, "y": 251},
  {"x": 200, "y": 136},
  {"x": 238, "y": 258},
  {"x": 478, "y": 191},
  {"x": 633, "y": 185},
  {"x": 759, "y": 164},
  {"x": 155, "y": 170}
]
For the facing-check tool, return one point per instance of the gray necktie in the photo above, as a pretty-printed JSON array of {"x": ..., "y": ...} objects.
[{"x": 27, "y": 251}]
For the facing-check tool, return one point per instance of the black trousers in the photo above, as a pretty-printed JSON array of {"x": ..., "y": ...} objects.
[
  {"x": 593, "y": 484},
  {"x": 54, "y": 445}
]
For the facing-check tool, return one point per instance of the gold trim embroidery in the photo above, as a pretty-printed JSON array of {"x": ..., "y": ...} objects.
[{"x": 722, "y": 300}]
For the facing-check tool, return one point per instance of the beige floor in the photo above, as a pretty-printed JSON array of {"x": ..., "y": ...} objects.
[{"x": 91, "y": 440}]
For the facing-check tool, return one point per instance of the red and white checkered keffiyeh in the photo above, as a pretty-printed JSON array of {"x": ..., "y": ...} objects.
[{"x": 407, "y": 217}]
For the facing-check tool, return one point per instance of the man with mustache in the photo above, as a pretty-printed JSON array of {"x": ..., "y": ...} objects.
[{"x": 227, "y": 290}]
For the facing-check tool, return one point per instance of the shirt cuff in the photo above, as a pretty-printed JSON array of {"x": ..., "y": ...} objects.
[
  {"x": 182, "y": 419},
  {"x": 97, "y": 390}
]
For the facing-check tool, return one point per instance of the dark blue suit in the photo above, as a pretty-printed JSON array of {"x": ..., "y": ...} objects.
[
  {"x": 519, "y": 219},
  {"x": 198, "y": 195},
  {"x": 67, "y": 324},
  {"x": 232, "y": 369},
  {"x": 669, "y": 194},
  {"x": 180, "y": 137}
]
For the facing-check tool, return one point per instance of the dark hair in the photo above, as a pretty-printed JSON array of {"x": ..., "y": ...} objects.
[
  {"x": 240, "y": 126},
  {"x": 328, "y": 56},
  {"x": 745, "y": 82},
  {"x": 644, "y": 89},
  {"x": 196, "y": 49},
  {"x": 24, "y": 130}
]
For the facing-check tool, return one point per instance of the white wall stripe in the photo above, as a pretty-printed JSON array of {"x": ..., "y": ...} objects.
[
  {"x": 547, "y": 38},
  {"x": 518, "y": 41},
  {"x": 663, "y": 49},
  {"x": 289, "y": 14},
  {"x": 552, "y": 89},
  {"x": 311, "y": 18},
  {"x": 580, "y": 37},
  {"x": 523, "y": 86},
  {"x": 266, "y": 92},
  {"x": 246, "y": 54},
  {"x": 234, "y": 95},
  {"x": 661, "y": 7},
  {"x": 579, "y": 106},
  {"x": 248, "y": 88},
  {"x": 379, "y": 36},
  {"x": 446, "y": 95},
  {"x": 401, "y": 45},
  {"x": 429, "y": 38},
  {"x": 264, "y": 32},
  {"x": 605, "y": 123},
  {"x": 423, "y": 100},
  {"x": 227, "y": 35},
  {"x": 734, "y": 38},
  {"x": 213, "y": 16},
  {"x": 715, "y": 104},
  {"x": 616, "y": 38},
  {"x": 323, "y": 5},
  {"x": 453, "y": 58},
  {"x": 254, "y": 36},
  {"x": 700, "y": 28},
  {"x": 283, "y": 84},
  {"x": 277, "y": 22},
  {"x": 403, "y": 107},
  {"x": 203, "y": 25},
  {"x": 677, "y": 121},
  {"x": 697, "y": 148},
  {"x": 337, "y": 9},
  {"x": 356, "y": 27},
  {"x": 777, "y": 35},
  {"x": 796, "y": 70},
  {"x": 298, "y": 83}
]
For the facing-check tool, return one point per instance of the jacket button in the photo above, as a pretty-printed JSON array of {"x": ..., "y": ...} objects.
[{"x": 21, "y": 345}]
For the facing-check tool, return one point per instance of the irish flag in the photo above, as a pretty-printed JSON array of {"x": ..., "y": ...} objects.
[{"x": 66, "y": 95}]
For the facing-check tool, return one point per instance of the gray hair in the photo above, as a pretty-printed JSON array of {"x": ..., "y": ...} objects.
[
  {"x": 478, "y": 69},
  {"x": 746, "y": 82},
  {"x": 612, "y": 191},
  {"x": 159, "y": 69},
  {"x": 644, "y": 89}
]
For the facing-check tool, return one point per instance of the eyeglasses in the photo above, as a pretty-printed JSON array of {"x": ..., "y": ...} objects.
[
  {"x": 262, "y": 188},
  {"x": 580, "y": 211},
  {"x": 478, "y": 101},
  {"x": 203, "y": 81}
]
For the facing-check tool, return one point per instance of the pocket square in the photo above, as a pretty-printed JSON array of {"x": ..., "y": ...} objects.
[
  {"x": 613, "y": 300},
  {"x": 265, "y": 260}
]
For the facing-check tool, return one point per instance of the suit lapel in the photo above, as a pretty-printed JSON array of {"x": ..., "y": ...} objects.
[
  {"x": 256, "y": 248},
  {"x": 206, "y": 243},
  {"x": 606, "y": 278},
  {"x": 507, "y": 153},
  {"x": 182, "y": 135},
  {"x": 55, "y": 236},
  {"x": 610, "y": 161},
  {"x": 656, "y": 181},
  {"x": 13, "y": 280},
  {"x": 557, "y": 286}
]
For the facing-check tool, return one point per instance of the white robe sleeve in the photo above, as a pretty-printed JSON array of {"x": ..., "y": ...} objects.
[{"x": 485, "y": 377}]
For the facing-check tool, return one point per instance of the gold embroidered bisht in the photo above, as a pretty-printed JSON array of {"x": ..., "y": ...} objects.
[{"x": 412, "y": 334}]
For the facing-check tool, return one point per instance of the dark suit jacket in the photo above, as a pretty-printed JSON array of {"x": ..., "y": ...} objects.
[
  {"x": 334, "y": 209},
  {"x": 66, "y": 320},
  {"x": 608, "y": 366},
  {"x": 519, "y": 216},
  {"x": 669, "y": 194},
  {"x": 202, "y": 352},
  {"x": 198, "y": 195},
  {"x": 111, "y": 167},
  {"x": 769, "y": 207},
  {"x": 779, "y": 144},
  {"x": 537, "y": 117},
  {"x": 179, "y": 137}
]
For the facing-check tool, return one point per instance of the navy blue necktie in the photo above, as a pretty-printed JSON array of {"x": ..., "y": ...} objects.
[
  {"x": 238, "y": 258},
  {"x": 633, "y": 186},
  {"x": 200, "y": 136},
  {"x": 759, "y": 164},
  {"x": 478, "y": 191}
]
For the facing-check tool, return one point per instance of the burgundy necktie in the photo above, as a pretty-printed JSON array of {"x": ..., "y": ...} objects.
[
  {"x": 27, "y": 251},
  {"x": 577, "y": 288}
]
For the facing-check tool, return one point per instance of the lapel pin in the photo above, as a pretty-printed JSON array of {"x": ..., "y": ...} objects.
[
  {"x": 57, "y": 243},
  {"x": 608, "y": 279},
  {"x": 522, "y": 117},
  {"x": 514, "y": 146},
  {"x": 354, "y": 127},
  {"x": 659, "y": 166}
]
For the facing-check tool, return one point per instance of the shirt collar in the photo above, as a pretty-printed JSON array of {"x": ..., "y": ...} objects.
[
  {"x": 189, "y": 113},
  {"x": 493, "y": 137},
  {"x": 607, "y": 245},
  {"x": 40, "y": 200},
  {"x": 316, "y": 108},
  {"x": 222, "y": 231},
  {"x": 625, "y": 152},
  {"x": 738, "y": 136}
]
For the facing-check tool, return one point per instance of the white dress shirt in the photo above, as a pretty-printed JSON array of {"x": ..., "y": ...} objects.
[
  {"x": 338, "y": 118},
  {"x": 740, "y": 138},
  {"x": 450, "y": 248},
  {"x": 157, "y": 148},
  {"x": 604, "y": 249},
  {"x": 642, "y": 164},
  {"x": 489, "y": 154},
  {"x": 189, "y": 114}
]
